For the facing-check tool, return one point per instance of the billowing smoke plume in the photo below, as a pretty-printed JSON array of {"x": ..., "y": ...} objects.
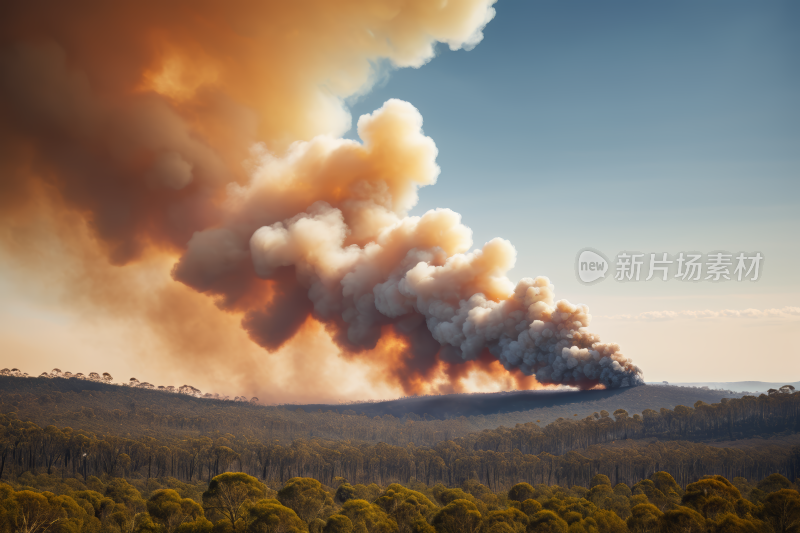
[
  {"x": 140, "y": 114},
  {"x": 363, "y": 263}
]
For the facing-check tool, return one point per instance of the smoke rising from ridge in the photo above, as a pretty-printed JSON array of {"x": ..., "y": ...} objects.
[{"x": 140, "y": 115}]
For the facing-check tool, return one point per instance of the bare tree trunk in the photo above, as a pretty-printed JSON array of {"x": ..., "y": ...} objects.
[{"x": 3, "y": 461}]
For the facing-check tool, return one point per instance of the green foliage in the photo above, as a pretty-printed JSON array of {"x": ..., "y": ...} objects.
[
  {"x": 228, "y": 496},
  {"x": 773, "y": 483},
  {"x": 655, "y": 495},
  {"x": 530, "y": 507},
  {"x": 515, "y": 520},
  {"x": 235, "y": 504},
  {"x": 664, "y": 482},
  {"x": 410, "y": 509},
  {"x": 599, "y": 493},
  {"x": 338, "y": 524},
  {"x": 609, "y": 522},
  {"x": 316, "y": 525},
  {"x": 32, "y": 512},
  {"x": 621, "y": 489},
  {"x": 306, "y": 497},
  {"x": 546, "y": 521},
  {"x": 730, "y": 523},
  {"x": 345, "y": 492},
  {"x": 367, "y": 517},
  {"x": 198, "y": 525},
  {"x": 682, "y": 520},
  {"x": 645, "y": 518},
  {"x": 93, "y": 502},
  {"x": 446, "y": 495},
  {"x": 711, "y": 496},
  {"x": 367, "y": 492},
  {"x": 521, "y": 492},
  {"x": 458, "y": 516},
  {"x": 144, "y": 524},
  {"x": 782, "y": 510},
  {"x": 270, "y": 516},
  {"x": 167, "y": 508},
  {"x": 119, "y": 490}
]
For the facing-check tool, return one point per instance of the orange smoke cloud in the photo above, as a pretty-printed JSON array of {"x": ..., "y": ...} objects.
[
  {"x": 395, "y": 356},
  {"x": 211, "y": 132}
]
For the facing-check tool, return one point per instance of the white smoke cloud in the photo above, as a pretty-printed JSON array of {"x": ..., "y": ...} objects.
[{"x": 419, "y": 266}]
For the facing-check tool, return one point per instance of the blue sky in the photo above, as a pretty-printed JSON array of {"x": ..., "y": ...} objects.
[
  {"x": 660, "y": 126},
  {"x": 622, "y": 125}
]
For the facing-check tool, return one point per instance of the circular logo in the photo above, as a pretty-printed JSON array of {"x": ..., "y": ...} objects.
[{"x": 591, "y": 266}]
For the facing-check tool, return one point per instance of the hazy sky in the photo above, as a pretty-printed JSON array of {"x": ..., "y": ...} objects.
[{"x": 618, "y": 125}]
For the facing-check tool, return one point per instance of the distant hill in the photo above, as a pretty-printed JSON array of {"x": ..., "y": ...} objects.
[
  {"x": 740, "y": 386},
  {"x": 527, "y": 406},
  {"x": 91, "y": 425},
  {"x": 106, "y": 408}
]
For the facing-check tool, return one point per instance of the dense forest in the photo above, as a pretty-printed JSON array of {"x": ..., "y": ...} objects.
[
  {"x": 236, "y": 502},
  {"x": 565, "y": 452},
  {"x": 26, "y": 447},
  {"x": 80, "y": 456},
  {"x": 102, "y": 408}
]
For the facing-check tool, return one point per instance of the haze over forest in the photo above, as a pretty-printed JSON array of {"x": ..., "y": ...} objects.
[
  {"x": 148, "y": 460},
  {"x": 294, "y": 267},
  {"x": 199, "y": 198}
]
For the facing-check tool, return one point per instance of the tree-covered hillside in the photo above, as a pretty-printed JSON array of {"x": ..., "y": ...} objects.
[
  {"x": 157, "y": 434},
  {"x": 85, "y": 456},
  {"x": 133, "y": 411}
]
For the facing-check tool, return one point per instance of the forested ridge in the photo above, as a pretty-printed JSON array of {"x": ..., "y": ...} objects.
[
  {"x": 127, "y": 460},
  {"x": 104, "y": 408},
  {"x": 545, "y": 404},
  {"x": 564, "y": 452},
  {"x": 26, "y": 447}
]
